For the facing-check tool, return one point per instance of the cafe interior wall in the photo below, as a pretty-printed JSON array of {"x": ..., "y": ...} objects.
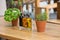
[{"x": 2, "y": 7}]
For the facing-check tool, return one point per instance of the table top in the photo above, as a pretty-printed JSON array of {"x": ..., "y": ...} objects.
[{"x": 14, "y": 33}]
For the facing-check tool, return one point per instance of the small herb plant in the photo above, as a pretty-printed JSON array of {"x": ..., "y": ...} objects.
[
  {"x": 19, "y": 3},
  {"x": 41, "y": 17},
  {"x": 11, "y": 14}
]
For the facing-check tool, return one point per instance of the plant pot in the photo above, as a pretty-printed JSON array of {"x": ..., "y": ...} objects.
[
  {"x": 40, "y": 26},
  {"x": 15, "y": 22}
]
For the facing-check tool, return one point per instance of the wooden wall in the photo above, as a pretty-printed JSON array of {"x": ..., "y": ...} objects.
[{"x": 58, "y": 10}]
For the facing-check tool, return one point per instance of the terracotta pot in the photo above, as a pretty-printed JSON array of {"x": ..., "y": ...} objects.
[
  {"x": 40, "y": 26},
  {"x": 15, "y": 22}
]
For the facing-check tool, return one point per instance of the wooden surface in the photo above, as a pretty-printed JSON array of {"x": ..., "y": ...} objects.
[
  {"x": 14, "y": 33},
  {"x": 58, "y": 10},
  {"x": 37, "y": 9},
  {"x": 49, "y": 6},
  {"x": 55, "y": 21}
]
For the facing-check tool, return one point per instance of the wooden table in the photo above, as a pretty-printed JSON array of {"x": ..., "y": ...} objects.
[{"x": 13, "y": 33}]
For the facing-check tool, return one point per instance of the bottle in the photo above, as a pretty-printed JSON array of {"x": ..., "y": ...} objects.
[
  {"x": 29, "y": 22},
  {"x": 24, "y": 20},
  {"x": 20, "y": 20}
]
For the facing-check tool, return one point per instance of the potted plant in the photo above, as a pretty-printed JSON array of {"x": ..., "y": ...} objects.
[
  {"x": 16, "y": 4},
  {"x": 41, "y": 21},
  {"x": 11, "y": 15}
]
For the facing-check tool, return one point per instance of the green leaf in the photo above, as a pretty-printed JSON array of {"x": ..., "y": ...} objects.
[
  {"x": 12, "y": 2},
  {"x": 41, "y": 17},
  {"x": 12, "y": 14},
  {"x": 19, "y": 3}
]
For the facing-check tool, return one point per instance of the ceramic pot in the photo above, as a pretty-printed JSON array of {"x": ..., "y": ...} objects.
[
  {"x": 40, "y": 26},
  {"x": 15, "y": 22}
]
